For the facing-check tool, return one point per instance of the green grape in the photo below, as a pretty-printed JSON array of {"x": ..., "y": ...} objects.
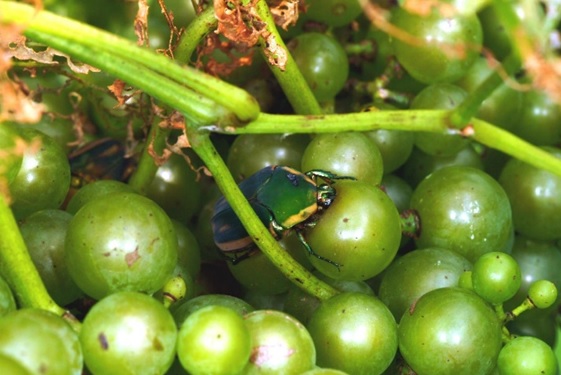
[
  {"x": 214, "y": 340},
  {"x": 450, "y": 331},
  {"x": 539, "y": 120},
  {"x": 44, "y": 177},
  {"x": 176, "y": 190},
  {"x": 41, "y": 341},
  {"x": 543, "y": 293},
  {"x": 496, "y": 277},
  {"x": 121, "y": 241},
  {"x": 361, "y": 231},
  {"x": 355, "y": 333},
  {"x": 44, "y": 234},
  {"x": 323, "y": 63},
  {"x": 440, "y": 48},
  {"x": 526, "y": 355},
  {"x": 345, "y": 154},
  {"x": 333, "y": 13},
  {"x": 279, "y": 344},
  {"x": 128, "y": 333},
  {"x": 534, "y": 198},
  {"x": 462, "y": 209}
]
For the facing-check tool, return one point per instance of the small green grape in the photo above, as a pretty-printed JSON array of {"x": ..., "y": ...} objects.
[
  {"x": 543, "y": 293},
  {"x": 496, "y": 277},
  {"x": 214, "y": 340},
  {"x": 526, "y": 355}
]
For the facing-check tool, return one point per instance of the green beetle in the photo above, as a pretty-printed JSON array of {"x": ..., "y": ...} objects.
[{"x": 283, "y": 198}]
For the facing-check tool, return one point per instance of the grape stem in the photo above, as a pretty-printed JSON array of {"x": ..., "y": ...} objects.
[
  {"x": 526, "y": 305},
  {"x": 293, "y": 270},
  {"x": 462, "y": 114},
  {"x": 203, "y": 24},
  {"x": 147, "y": 166},
  {"x": 290, "y": 78}
]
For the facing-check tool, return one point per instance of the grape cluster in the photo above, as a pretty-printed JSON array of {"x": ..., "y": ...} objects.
[{"x": 437, "y": 255}]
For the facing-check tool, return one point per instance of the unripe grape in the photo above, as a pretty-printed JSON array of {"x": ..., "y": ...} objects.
[
  {"x": 543, "y": 293},
  {"x": 496, "y": 277},
  {"x": 526, "y": 355}
]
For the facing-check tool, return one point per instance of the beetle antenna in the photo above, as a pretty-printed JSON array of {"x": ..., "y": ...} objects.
[{"x": 327, "y": 176}]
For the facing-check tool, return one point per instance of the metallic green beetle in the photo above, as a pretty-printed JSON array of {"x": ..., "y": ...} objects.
[{"x": 283, "y": 198}]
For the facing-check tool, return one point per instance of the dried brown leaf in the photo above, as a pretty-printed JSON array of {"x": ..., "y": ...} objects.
[
  {"x": 286, "y": 12},
  {"x": 426, "y": 7},
  {"x": 237, "y": 56},
  {"x": 545, "y": 74},
  {"x": 275, "y": 53},
  {"x": 15, "y": 105},
  {"x": 8, "y": 34},
  {"x": 237, "y": 22},
  {"x": 19, "y": 50},
  {"x": 117, "y": 90},
  {"x": 175, "y": 32},
  {"x": 141, "y": 23}
]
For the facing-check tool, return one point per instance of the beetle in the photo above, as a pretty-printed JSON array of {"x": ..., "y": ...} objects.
[{"x": 284, "y": 199}]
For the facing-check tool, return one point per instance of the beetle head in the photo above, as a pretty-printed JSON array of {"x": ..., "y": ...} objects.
[{"x": 325, "y": 195}]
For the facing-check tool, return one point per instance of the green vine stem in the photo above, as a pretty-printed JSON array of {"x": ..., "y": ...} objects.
[
  {"x": 199, "y": 107},
  {"x": 469, "y": 107},
  {"x": 526, "y": 305},
  {"x": 294, "y": 271},
  {"x": 412, "y": 120},
  {"x": 290, "y": 78},
  {"x": 204, "y": 23},
  {"x": 147, "y": 167},
  {"x": 19, "y": 271},
  {"x": 44, "y": 25},
  {"x": 497, "y": 138}
]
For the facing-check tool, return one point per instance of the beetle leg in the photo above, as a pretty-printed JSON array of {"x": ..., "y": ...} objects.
[
  {"x": 313, "y": 253},
  {"x": 240, "y": 255},
  {"x": 276, "y": 229}
]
